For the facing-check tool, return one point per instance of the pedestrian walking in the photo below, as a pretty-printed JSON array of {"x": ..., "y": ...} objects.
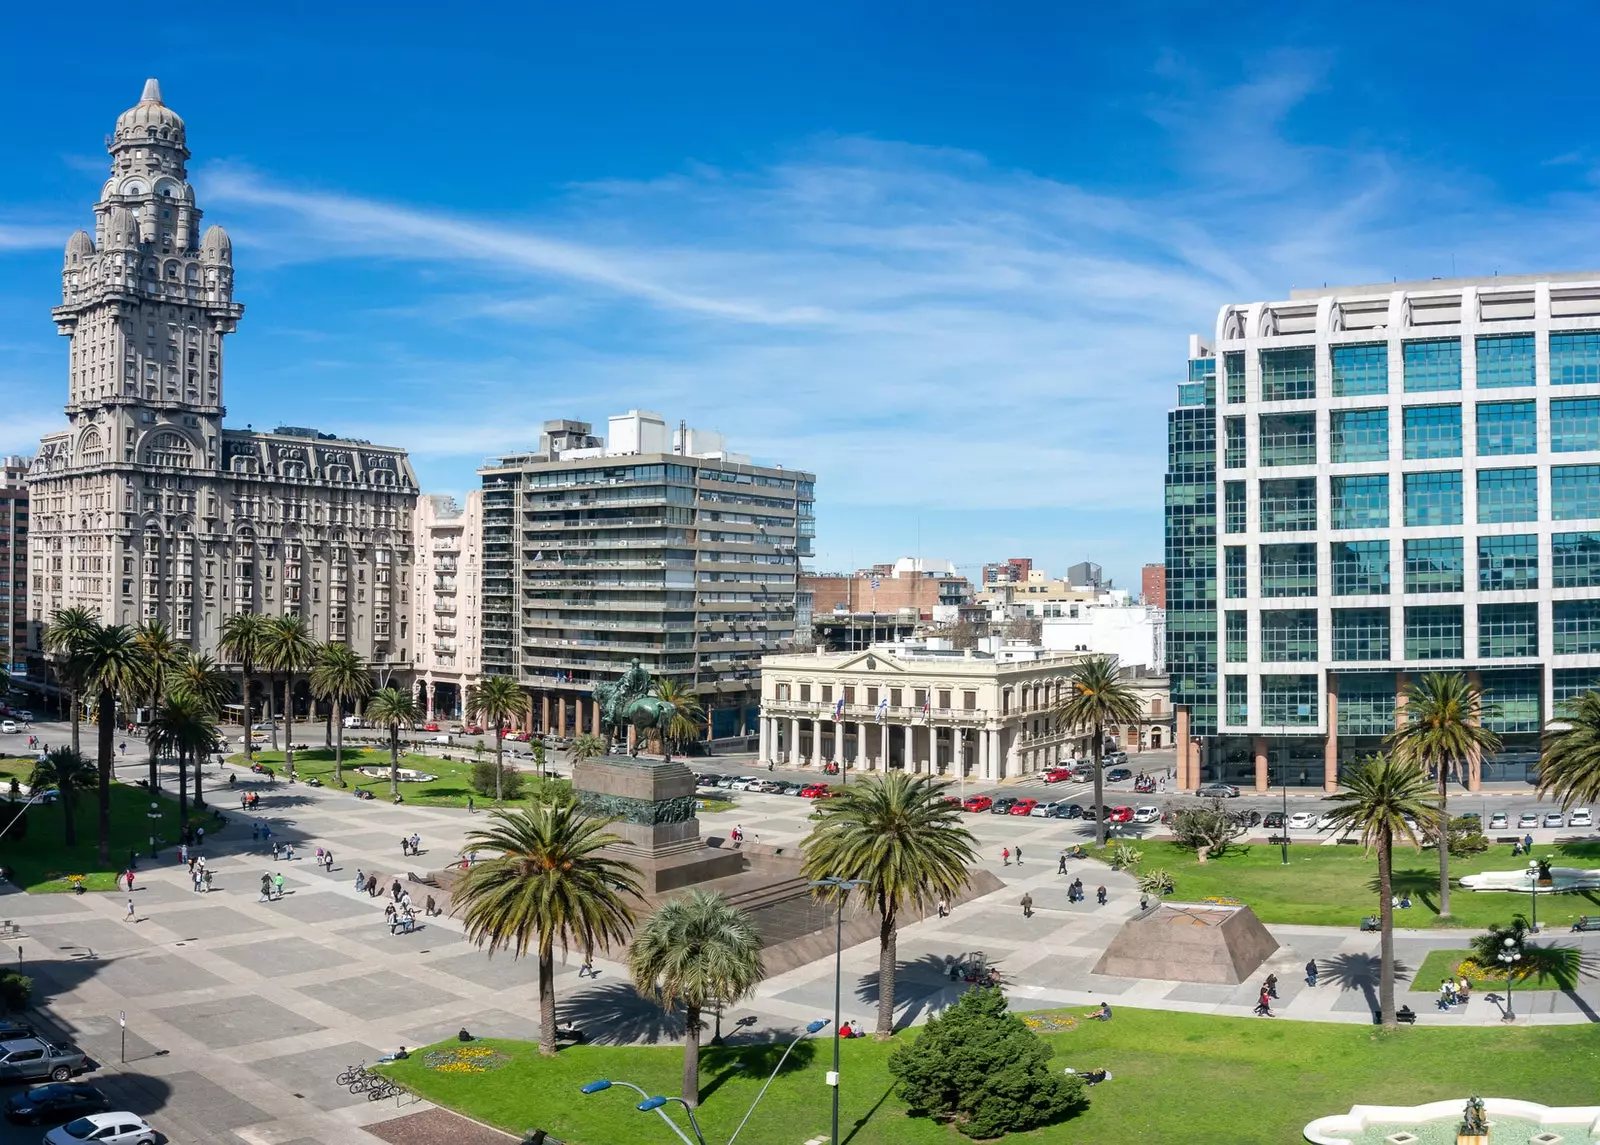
[
  {"x": 1005, "y": 856},
  {"x": 319, "y": 856},
  {"x": 1311, "y": 972},
  {"x": 205, "y": 877},
  {"x": 1264, "y": 1004},
  {"x": 429, "y": 909},
  {"x": 288, "y": 852},
  {"x": 327, "y": 860},
  {"x": 128, "y": 876},
  {"x": 405, "y": 901},
  {"x": 396, "y": 889},
  {"x": 1061, "y": 866},
  {"x": 1027, "y": 906},
  {"x": 416, "y": 843},
  {"x": 1019, "y": 854},
  {"x": 266, "y": 831},
  {"x": 1101, "y": 895},
  {"x": 372, "y": 886},
  {"x": 199, "y": 836},
  {"x": 405, "y": 845},
  {"x": 389, "y": 915},
  {"x": 277, "y": 885},
  {"x": 183, "y": 852},
  {"x": 266, "y": 887},
  {"x": 1272, "y": 985},
  {"x": 129, "y": 916},
  {"x": 470, "y": 809},
  {"x": 361, "y": 879},
  {"x": 1144, "y": 901},
  {"x": 275, "y": 852},
  {"x": 944, "y": 909}
]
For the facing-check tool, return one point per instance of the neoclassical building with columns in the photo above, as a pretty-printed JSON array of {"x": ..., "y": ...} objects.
[
  {"x": 144, "y": 506},
  {"x": 919, "y": 709}
]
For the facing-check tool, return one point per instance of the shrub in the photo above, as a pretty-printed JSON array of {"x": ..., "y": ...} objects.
[
  {"x": 982, "y": 1069},
  {"x": 1156, "y": 883},
  {"x": 1125, "y": 857},
  {"x": 1464, "y": 837},
  {"x": 511, "y": 780},
  {"x": 16, "y": 990},
  {"x": 1207, "y": 825}
]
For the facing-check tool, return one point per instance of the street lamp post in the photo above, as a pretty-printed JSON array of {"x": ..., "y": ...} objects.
[
  {"x": 652, "y": 1103},
  {"x": 842, "y": 889},
  {"x": 154, "y": 815},
  {"x": 1533, "y": 892},
  {"x": 811, "y": 1028},
  {"x": 1508, "y": 957}
]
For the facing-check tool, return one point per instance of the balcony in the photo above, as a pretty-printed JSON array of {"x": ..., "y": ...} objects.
[{"x": 446, "y": 626}]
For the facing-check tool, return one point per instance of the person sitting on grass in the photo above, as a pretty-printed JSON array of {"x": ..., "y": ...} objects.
[{"x": 1103, "y": 1014}]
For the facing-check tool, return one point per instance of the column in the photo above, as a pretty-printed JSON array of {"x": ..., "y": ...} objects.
[
  {"x": 561, "y": 715},
  {"x": 862, "y": 747},
  {"x": 908, "y": 757},
  {"x": 1330, "y": 757},
  {"x": 794, "y": 740},
  {"x": 1258, "y": 745},
  {"x": 1186, "y": 780},
  {"x": 883, "y": 753},
  {"x": 430, "y": 699},
  {"x": 983, "y": 755},
  {"x": 544, "y": 710}
]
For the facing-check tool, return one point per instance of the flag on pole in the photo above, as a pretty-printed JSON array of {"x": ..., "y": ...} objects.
[
  {"x": 838, "y": 710},
  {"x": 883, "y": 709},
  {"x": 927, "y": 712}
]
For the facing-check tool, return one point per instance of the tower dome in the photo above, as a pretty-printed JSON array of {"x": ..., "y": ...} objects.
[
  {"x": 150, "y": 121},
  {"x": 79, "y": 247},
  {"x": 216, "y": 246},
  {"x": 122, "y": 229}
]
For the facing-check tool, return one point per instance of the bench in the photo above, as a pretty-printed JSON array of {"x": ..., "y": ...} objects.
[
  {"x": 1346, "y": 841},
  {"x": 1587, "y": 922},
  {"x": 1406, "y": 1016},
  {"x": 1508, "y": 838},
  {"x": 1275, "y": 839}
]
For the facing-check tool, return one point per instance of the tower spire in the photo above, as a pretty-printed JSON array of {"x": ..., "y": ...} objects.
[{"x": 152, "y": 91}]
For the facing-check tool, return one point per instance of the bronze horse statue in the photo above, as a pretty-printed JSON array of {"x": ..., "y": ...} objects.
[{"x": 628, "y": 703}]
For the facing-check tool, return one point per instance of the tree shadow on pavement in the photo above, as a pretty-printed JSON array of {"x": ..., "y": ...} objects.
[
  {"x": 919, "y": 985},
  {"x": 1360, "y": 972}
]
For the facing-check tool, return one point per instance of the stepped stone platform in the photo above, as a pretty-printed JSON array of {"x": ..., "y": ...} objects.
[{"x": 1189, "y": 942}]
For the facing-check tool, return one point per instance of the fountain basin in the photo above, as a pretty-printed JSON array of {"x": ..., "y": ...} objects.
[
  {"x": 1561, "y": 879},
  {"x": 1510, "y": 1121}
]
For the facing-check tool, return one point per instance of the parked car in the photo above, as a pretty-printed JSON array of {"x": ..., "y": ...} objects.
[
  {"x": 1023, "y": 807},
  {"x": 24, "y": 715},
  {"x": 977, "y": 803},
  {"x": 1581, "y": 817},
  {"x": 1090, "y": 813},
  {"x": 1218, "y": 791},
  {"x": 58, "y": 1101},
  {"x": 1498, "y": 821},
  {"x": 814, "y": 791},
  {"x": 1065, "y": 810},
  {"x": 104, "y": 1129},
  {"x": 1554, "y": 819},
  {"x": 1146, "y": 813},
  {"x": 1273, "y": 821},
  {"x": 1302, "y": 821},
  {"x": 1120, "y": 815},
  {"x": 1118, "y": 774},
  {"x": 27, "y": 1058},
  {"x": 771, "y": 786},
  {"x": 1003, "y": 805},
  {"x": 1528, "y": 819},
  {"x": 1114, "y": 757},
  {"x": 1058, "y": 775}
]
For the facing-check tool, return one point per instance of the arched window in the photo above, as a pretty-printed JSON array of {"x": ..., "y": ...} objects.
[{"x": 170, "y": 449}]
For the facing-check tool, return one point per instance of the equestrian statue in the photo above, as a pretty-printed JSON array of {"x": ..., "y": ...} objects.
[{"x": 628, "y": 702}]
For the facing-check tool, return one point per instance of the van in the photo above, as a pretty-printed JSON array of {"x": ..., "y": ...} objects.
[{"x": 354, "y": 722}]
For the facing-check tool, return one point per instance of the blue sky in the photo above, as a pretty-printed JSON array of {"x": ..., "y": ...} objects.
[{"x": 945, "y": 255}]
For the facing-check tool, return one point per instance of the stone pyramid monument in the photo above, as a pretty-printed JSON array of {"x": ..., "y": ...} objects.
[{"x": 1189, "y": 942}]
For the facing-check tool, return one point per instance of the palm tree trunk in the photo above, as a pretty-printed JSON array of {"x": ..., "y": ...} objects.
[
  {"x": 288, "y": 724},
  {"x": 338, "y": 743},
  {"x": 75, "y": 746},
  {"x": 327, "y": 733},
  {"x": 199, "y": 776},
  {"x": 1386, "y": 929},
  {"x": 1098, "y": 747},
  {"x": 394, "y": 760},
  {"x": 108, "y": 731},
  {"x": 547, "y": 1001},
  {"x": 183, "y": 792},
  {"x": 155, "y": 703},
  {"x": 249, "y": 724},
  {"x": 886, "y": 966},
  {"x": 1444, "y": 851},
  {"x": 499, "y": 759},
  {"x": 691, "y": 1054}
]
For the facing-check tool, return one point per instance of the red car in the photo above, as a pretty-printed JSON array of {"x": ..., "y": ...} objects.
[
  {"x": 1023, "y": 807},
  {"x": 1120, "y": 815},
  {"x": 430, "y": 727},
  {"x": 814, "y": 791},
  {"x": 977, "y": 803},
  {"x": 472, "y": 730},
  {"x": 1058, "y": 775}
]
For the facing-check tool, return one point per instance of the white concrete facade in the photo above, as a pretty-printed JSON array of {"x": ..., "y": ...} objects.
[
  {"x": 1136, "y": 634},
  {"x": 448, "y": 591}
]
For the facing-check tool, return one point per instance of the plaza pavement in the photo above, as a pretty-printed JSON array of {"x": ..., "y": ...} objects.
[{"x": 241, "y": 1012}]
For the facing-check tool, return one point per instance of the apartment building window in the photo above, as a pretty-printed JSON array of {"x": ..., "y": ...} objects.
[
  {"x": 1360, "y": 568},
  {"x": 1288, "y": 439},
  {"x": 1575, "y": 560},
  {"x": 1235, "y": 574},
  {"x": 1289, "y": 375},
  {"x": 1432, "y": 364},
  {"x": 1235, "y": 518},
  {"x": 1366, "y": 703},
  {"x": 1289, "y": 570},
  {"x": 1570, "y": 683},
  {"x": 1360, "y": 370},
  {"x": 1435, "y": 632},
  {"x": 1236, "y": 691},
  {"x": 1288, "y": 504},
  {"x": 1432, "y": 431},
  {"x": 1359, "y": 435},
  {"x": 1434, "y": 564},
  {"x": 1508, "y": 563},
  {"x": 1574, "y": 492},
  {"x": 1575, "y": 358},
  {"x": 1361, "y": 634},
  {"x": 1575, "y": 628},
  {"x": 1433, "y": 498},
  {"x": 1505, "y": 360},
  {"x": 1289, "y": 634},
  {"x": 1507, "y": 428},
  {"x": 1236, "y": 648},
  {"x": 1360, "y": 502},
  {"x": 1575, "y": 425},
  {"x": 1233, "y": 456},
  {"x": 1507, "y": 495},
  {"x": 805, "y": 693},
  {"x": 1508, "y": 630},
  {"x": 1289, "y": 700},
  {"x": 1233, "y": 367}
]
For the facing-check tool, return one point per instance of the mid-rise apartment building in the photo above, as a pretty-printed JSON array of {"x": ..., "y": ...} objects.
[
  {"x": 1153, "y": 585},
  {"x": 653, "y": 544},
  {"x": 14, "y": 564},
  {"x": 448, "y": 591},
  {"x": 1366, "y": 484}
]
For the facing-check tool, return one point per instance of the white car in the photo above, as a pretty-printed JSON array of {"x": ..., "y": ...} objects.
[
  {"x": 1146, "y": 813},
  {"x": 1581, "y": 817},
  {"x": 104, "y": 1129},
  {"x": 1302, "y": 821},
  {"x": 9, "y": 727}
]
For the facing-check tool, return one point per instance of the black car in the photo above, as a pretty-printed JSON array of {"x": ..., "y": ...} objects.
[
  {"x": 58, "y": 1101},
  {"x": 1273, "y": 821},
  {"x": 1003, "y": 805},
  {"x": 1066, "y": 811},
  {"x": 1118, "y": 774},
  {"x": 1089, "y": 813}
]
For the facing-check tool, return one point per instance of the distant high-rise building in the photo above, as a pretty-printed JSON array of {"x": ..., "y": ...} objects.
[
  {"x": 449, "y": 594},
  {"x": 1153, "y": 585},
  {"x": 14, "y": 564},
  {"x": 1087, "y": 574},
  {"x": 1013, "y": 570}
]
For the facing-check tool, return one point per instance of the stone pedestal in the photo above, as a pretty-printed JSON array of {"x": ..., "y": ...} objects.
[{"x": 653, "y": 803}]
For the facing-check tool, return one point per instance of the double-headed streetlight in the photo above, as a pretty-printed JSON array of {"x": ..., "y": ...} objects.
[
  {"x": 1533, "y": 892},
  {"x": 841, "y": 889},
  {"x": 154, "y": 815},
  {"x": 1508, "y": 957}
]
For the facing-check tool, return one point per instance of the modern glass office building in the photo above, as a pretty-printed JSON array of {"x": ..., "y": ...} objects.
[{"x": 1409, "y": 480}]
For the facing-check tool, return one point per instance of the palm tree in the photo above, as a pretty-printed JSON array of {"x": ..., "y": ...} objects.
[
  {"x": 546, "y": 882},
  {"x": 203, "y": 679},
  {"x": 340, "y": 676},
  {"x": 287, "y": 647},
  {"x": 1386, "y": 798},
  {"x": 68, "y": 634},
  {"x": 241, "y": 643},
  {"x": 700, "y": 951},
  {"x": 161, "y": 654},
  {"x": 115, "y": 670},
  {"x": 393, "y": 707},
  {"x": 586, "y": 746},
  {"x": 1098, "y": 698},
  {"x": 688, "y": 716},
  {"x": 1442, "y": 729},
  {"x": 68, "y": 772},
  {"x": 498, "y": 700},
  {"x": 1570, "y": 768},
  {"x": 185, "y": 728},
  {"x": 897, "y": 834}
]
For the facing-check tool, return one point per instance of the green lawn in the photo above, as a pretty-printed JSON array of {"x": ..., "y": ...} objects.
[
  {"x": 1439, "y": 963},
  {"x": 42, "y": 861},
  {"x": 1176, "y": 1078},
  {"x": 451, "y": 789},
  {"x": 1337, "y": 885}
]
